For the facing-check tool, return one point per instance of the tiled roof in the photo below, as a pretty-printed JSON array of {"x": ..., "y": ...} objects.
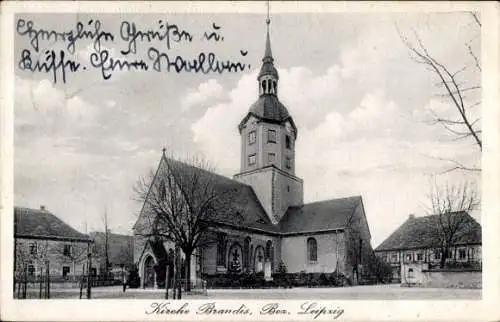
[
  {"x": 268, "y": 107},
  {"x": 35, "y": 223},
  {"x": 318, "y": 216},
  {"x": 421, "y": 232},
  {"x": 312, "y": 217},
  {"x": 244, "y": 201},
  {"x": 120, "y": 247},
  {"x": 268, "y": 66}
]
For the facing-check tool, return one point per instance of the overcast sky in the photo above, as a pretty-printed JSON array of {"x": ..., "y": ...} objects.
[{"x": 361, "y": 105}]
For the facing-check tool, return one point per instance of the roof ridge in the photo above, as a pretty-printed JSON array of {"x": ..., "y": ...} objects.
[
  {"x": 208, "y": 171},
  {"x": 446, "y": 213},
  {"x": 332, "y": 199},
  {"x": 37, "y": 210},
  {"x": 45, "y": 221}
]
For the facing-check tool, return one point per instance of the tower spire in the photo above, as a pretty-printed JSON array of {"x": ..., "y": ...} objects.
[
  {"x": 268, "y": 75},
  {"x": 268, "y": 53}
]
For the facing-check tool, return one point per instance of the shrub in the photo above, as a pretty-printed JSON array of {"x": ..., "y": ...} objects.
[
  {"x": 133, "y": 281},
  {"x": 282, "y": 269},
  {"x": 338, "y": 279},
  {"x": 323, "y": 280}
]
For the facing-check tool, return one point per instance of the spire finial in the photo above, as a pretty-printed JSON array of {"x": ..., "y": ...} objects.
[
  {"x": 268, "y": 20},
  {"x": 268, "y": 53}
]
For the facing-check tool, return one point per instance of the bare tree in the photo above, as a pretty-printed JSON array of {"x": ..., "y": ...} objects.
[
  {"x": 451, "y": 205},
  {"x": 75, "y": 252},
  {"x": 464, "y": 125},
  {"x": 184, "y": 201}
]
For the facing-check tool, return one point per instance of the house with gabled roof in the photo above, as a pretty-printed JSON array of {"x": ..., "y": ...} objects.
[
  {"x": 413, "y": 248},
  {"x": 274, "y": 224},
  {"x": 41, "y": 239}
]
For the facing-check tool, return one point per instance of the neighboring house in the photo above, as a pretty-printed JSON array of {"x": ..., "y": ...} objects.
[
  {"x": 40, "y": 238},
  {"x": 120, "y": 252},
  {"x": 413, "y": 248},
  {"x": 276, "y": 225}
]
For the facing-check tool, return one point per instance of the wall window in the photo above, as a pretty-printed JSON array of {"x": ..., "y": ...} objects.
[
  {"x": 288, "y": 163},
  {"x": 33, "y": 248},
  {"x": 271, "y": 136},
  {"x": 269, "y": 253},
  {"x": 411, "y": 274},
  {"x": 288, "y": 142},
  {"x": 437, "y": 254},
  {"x": 65, "y": 271},
  {"x": 252, "y": 137},
  {"x": 252, "y": 159},
  {"x": 394, "y": 258},
  {"x": 271, "y": 157},
  {"x": 409, "y": 257},
  {"x": 221, "y": 250},
  {"x": 67, "y": 250},
  {"x": 163, "y": 190},
  {"x": 31, "y": 270},
  {"x": 462, "y": 253},
  {"x": 312, "y": 249},
  {"x": 420, "y": 257}
]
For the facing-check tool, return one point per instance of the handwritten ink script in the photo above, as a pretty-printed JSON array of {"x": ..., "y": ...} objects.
[
  {"x": 309, "y": 309},
  {"x": 41, "y": 55}
]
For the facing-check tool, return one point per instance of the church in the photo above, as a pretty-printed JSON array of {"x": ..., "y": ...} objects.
[{"x": 276, "y": 227}]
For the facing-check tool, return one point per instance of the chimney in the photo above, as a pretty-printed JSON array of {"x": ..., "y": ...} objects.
[
  {"x": 42, "y": 207},
  {"x": 411, "y": 216}
]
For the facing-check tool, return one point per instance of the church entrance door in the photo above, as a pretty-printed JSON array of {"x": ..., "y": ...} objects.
[{"x": 149, "y": 273}]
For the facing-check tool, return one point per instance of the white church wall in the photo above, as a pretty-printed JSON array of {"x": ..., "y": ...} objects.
[
  {"x": 288, "y": 191},
  {"x": 261, "y": 182},
  {"x": 270, "y": 147},
  {"x": 330, "y": 253}
]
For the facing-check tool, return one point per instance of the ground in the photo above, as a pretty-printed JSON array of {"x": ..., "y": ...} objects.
[{"x": 371, "y": 292}]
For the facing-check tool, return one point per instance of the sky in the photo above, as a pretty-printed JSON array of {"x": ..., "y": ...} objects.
[{"x": 362, "y": 107}]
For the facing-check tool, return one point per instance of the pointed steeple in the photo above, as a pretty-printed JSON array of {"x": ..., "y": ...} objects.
[
  {"x": 268, "y": 55},
  {"x": 268, "y": 75}
]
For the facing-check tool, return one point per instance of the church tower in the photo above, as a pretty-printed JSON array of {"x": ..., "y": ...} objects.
[{"x": 268, "y": 135}]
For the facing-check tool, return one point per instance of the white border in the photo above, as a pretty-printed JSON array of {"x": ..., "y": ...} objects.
[{"x": 119, "y": 310}]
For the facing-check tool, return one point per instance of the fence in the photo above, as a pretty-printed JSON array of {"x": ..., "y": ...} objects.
[{"x": 40, "y": 286}]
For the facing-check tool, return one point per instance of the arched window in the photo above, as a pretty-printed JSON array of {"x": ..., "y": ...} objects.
[
  {"x": 221, "y": 250},
  {"x": 235, "y": 258},
  {"x": 269, "y": 245},
  {"x": 312, "y": 249},
  {"x": 264, "y": 87},
  {"x": 274, "y": 87},
  {"x": 163, "y": 190}
]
